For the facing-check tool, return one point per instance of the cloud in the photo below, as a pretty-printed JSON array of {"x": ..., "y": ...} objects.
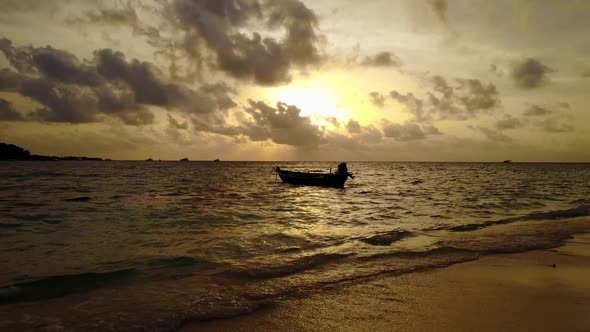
[
  {"x": 409, "y": 131},
  {"x": 413, "y": 104},
  {"x": 556, "y": 125},
  {"x": 369, "y": 135},
  {"x": 476, "y": 96},
  {"x": 382, "y": 59},
  {"x": 116, "y": 17},
  {"x": 496, "y": 70},
  {"x": 440, "y": 8},
  {"x": 7, "y": 112},
  {"x": 175, "y": 124},
  {"x": 334, "y": 121},
  {"x": 282, "y": 124},
  {"x": 216, "y": 26},
  {"x": 28, "y": 5},
  {"x": 9, "y": 80},
  {"x": 536, "y": 110},
  {"x": 509, "y": 122},
  {"x": 106, "y": 16},
  {"x": 353, "y": 127},
  {"x": 555, "y": 119},
  {"x": 494, "y": 135},
  {"x": 464, "y": 99},
  {"x": 530, "y": 73},
  {"x": 75, "y": 91},
  {"x": 142, "y": 77},
  {"x": 377, "y": 99}
]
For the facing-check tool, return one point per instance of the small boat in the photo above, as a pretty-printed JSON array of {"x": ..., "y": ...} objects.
[
  {"x": 336, "y": 180},
  {"x": 507, "y": 161}
]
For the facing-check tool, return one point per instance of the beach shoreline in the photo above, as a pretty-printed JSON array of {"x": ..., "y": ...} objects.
[{"x": 508, "y": 292}]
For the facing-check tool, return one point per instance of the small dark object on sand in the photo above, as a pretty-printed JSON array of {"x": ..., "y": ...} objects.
[{"x": 554, "y": 266}]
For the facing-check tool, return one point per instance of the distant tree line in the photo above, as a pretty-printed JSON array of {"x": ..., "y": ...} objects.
[{"x": 13, "y": 152}]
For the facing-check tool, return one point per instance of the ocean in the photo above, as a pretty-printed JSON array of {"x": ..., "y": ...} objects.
[{"x": 134, "y": 246}]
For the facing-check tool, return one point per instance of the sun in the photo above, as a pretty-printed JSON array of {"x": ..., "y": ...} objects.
[{"x": 316, "y": 103}]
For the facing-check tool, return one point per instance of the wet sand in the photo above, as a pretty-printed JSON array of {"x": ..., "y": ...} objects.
[{"x": 505, "y": 292}]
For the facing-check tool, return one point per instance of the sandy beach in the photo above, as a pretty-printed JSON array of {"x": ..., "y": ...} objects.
[{"x": 503, "y": 292}]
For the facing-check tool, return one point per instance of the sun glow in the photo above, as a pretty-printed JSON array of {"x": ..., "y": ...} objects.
[{"x": 316, "y": 103}]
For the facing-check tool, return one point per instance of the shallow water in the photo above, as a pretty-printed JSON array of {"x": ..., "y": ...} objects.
[{"x": 147, "y": 245}]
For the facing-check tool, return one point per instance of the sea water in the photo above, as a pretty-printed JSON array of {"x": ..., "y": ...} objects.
[{"x": 118, "y": 245}]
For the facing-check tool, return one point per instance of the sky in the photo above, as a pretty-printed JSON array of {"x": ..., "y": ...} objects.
[{"x": 339, "y": 80}]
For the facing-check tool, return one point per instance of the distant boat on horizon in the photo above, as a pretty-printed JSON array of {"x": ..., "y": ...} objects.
[
  {"x": 216, "y": 160},
  {"x": 507, "y": 161},
  {"x": 184, "y": 159}
]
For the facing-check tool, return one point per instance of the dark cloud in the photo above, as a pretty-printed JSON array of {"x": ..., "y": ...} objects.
[
  {"x": 9, "y": 80},
  {"x": 441, "y": 86},
  {"x": 142, "y": 77},
  {"x": 7, "y": 112},
  {"x": 108, "y": 16},
  {"x": 19, "y": 58},
  {"x": 409, "y": 131},
  {"x": 369, "y": 135},
  {"x": 214, "y": 25},
  {"x": 117, "y": 17},
  {"x": 282, "y": 124},
  {"x": 530, "y": 73},
  {"x": 536, "y": 110},
  {"x": 509, "y": 122},
  {"x": 464, "y": 99},
  {"x": 76, "y": 91},
  {"x": 50, "y": 63},
  {"x": 476, "y": 96},
  {"x": 173, "y": 123},
  {"x": 377, "y": 99},
  {"x": 383, "y": 59},
  {"x": 440, "y": 8},
  {"x": 28, "y": 5},
  {"x": 61, "y": 102},
  {"x": 413, "y": 104},
  {"x": 353, "y": 127}
]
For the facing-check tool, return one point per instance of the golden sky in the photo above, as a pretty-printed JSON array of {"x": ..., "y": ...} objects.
[{"x": 407, "y": 80}]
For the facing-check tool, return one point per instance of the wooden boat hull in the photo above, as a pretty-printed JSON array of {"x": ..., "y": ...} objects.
[{"x": 335, "y": 180}]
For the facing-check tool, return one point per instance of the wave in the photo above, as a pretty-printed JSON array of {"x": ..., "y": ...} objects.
[
  {"x": 79, "y": 199},
  {"x": 386, "y": 239},
  {"x": 8, "y": 225},
  {"x": 579, "y": 211},
  {"x": 179, "y": 261},
  {"x": 441, "y": 251},
  {"x": 298, "y": 265},
  {"x": 61, "y": 285}
]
